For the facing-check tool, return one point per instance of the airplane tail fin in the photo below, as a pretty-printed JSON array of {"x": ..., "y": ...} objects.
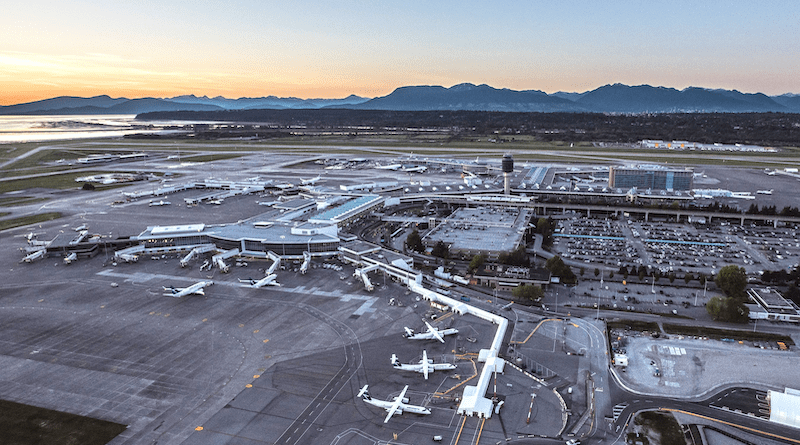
[
  {"x": 395, "y": 362},
  {"x": 409, "y": 332}
]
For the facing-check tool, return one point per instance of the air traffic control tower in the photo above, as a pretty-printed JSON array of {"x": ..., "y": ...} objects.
[{"x": 508, "y": 168}]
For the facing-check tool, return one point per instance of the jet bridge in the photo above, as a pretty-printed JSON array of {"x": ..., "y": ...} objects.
[
  {"x": 473, "y": 401},
  {"x": 362, "y": 275},
  {"x": 276, "y": 262},
  {"x": 197, "y": 251},
  {"x": 39, "y": 254},
  {"x": 219, "y": 259},
  {"x": 306, "y": 263},
  {"x": 130, "y": 254}
]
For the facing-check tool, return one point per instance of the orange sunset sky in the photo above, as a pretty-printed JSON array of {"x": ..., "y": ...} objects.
[{"x": 336, "y": 48}]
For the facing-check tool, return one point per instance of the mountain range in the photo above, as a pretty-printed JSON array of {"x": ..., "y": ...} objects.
[{"x": 616, "y": 98}]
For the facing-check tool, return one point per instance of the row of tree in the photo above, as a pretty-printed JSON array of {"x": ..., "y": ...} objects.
[{"x": 772, "y": 210}]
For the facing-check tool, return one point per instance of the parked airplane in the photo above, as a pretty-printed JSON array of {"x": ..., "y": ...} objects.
[
  {"x": 424, "y": 366},
  {"x": 311, "y": 181},
  {"x": 389, "y": 167},
  {"x": 268, "y": 280},
  {"x": 159, "y": 203},
  {"x": 396, "y": 406},
  {"x": 196, "y": 288},
  {"x": 433, "y": 333},
  {"x": 765, "y": 192},
  {"x": 414, "y": 168},
  {"x": 81, "y": 227}
]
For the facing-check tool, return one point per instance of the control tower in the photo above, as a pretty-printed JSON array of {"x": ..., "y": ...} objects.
[{"x": 508, "y": 168}]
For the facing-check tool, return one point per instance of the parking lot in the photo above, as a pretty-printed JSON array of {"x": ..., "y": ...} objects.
[{"x": 676, "y": 248}]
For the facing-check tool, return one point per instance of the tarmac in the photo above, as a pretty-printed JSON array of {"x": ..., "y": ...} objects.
[{"x": 691, "y": 368}]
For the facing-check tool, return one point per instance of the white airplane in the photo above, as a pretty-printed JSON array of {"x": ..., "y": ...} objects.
[
  {"x": 433, "y": 333},
  {"x": 389, "y": 167},
  {"x": 215, "y": 201},
  {"x": 415, "y": 169},
  {"x": 396, "y": 406},
  {"x": 424, "y": 366},
  {"x": 765, "y": 192},
  {"x": 311, "y": 181},
  {"x": 268, "y": 280},
  {"x": 81, "y": 228},
  {"x": 159, "y": 203},
  {"x": 196, "y": 288}
]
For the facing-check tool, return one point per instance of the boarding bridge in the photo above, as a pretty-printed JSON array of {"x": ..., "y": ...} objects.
[
  {"x": 219, "y": 259},
  {"x": 275, "y": 264},
  {"x": 129, "y": 255},
  {"x": 362, "y": 275},
  {"x": 473, "y": 401},
  {"x": 37, "y": 255},
  {"x": 196, "y": 252},
  {"x": 306, "y": 263}
]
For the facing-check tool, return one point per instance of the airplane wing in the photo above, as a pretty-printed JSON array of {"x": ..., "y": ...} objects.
[
  {"x": 434, "y": 332},
  {"x": 398, "y": 402},
  {"x": 268, "y": 280},
  {"x": 363, "y": 393},
  {"x": 178, "y": 293},
  {"x": 425, "y": 365}
]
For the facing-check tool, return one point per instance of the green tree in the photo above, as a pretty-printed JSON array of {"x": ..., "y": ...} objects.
[
  {"x": 715, "y": 307},
  {"x": 624, "y": 271},
  {"x": 671, "y": 277},
  {"x": 516, "y": 258},
  {"x": 733, "y": 281},
  {"x": 557, "y": 267},
  {"x": 641, "y": 274},
  {"x": 527, "y": 292},
  {"x": 544, "y": 227},
  {"x": 727, "y": 309},
  {"x": 687, "y": 277},
  {"x": 414, "y": 241},
  {"x": 441, "y": 250},
  {"x": 477, "y": 262},
  {"x": 596, "y": 271}
]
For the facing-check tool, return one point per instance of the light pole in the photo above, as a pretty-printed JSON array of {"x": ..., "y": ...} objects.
[{"x": 556, "y": 309}]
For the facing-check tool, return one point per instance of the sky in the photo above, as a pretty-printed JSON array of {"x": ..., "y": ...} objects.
[{"x": 331, "y": 49}]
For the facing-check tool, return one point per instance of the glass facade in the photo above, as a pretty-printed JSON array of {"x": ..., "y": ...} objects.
[{"x": 650, "y": 179}]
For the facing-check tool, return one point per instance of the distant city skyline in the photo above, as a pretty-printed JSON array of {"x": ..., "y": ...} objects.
[{"x": 333, "y": 49}]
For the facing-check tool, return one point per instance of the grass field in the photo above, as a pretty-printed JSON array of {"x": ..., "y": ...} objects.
[
  {"x": 26, "y": 425},
  {"x": 59, "y": 181},
  {"x": 20, "y": 200},
  {"x": 25, "y": 220}
]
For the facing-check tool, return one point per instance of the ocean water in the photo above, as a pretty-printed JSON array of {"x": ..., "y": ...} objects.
[{"x": 52, "y": 128}]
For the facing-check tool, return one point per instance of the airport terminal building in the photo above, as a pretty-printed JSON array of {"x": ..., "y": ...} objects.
[
  {"x": 252, "y": 239},
  {"x": 653, "y": 178}
]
